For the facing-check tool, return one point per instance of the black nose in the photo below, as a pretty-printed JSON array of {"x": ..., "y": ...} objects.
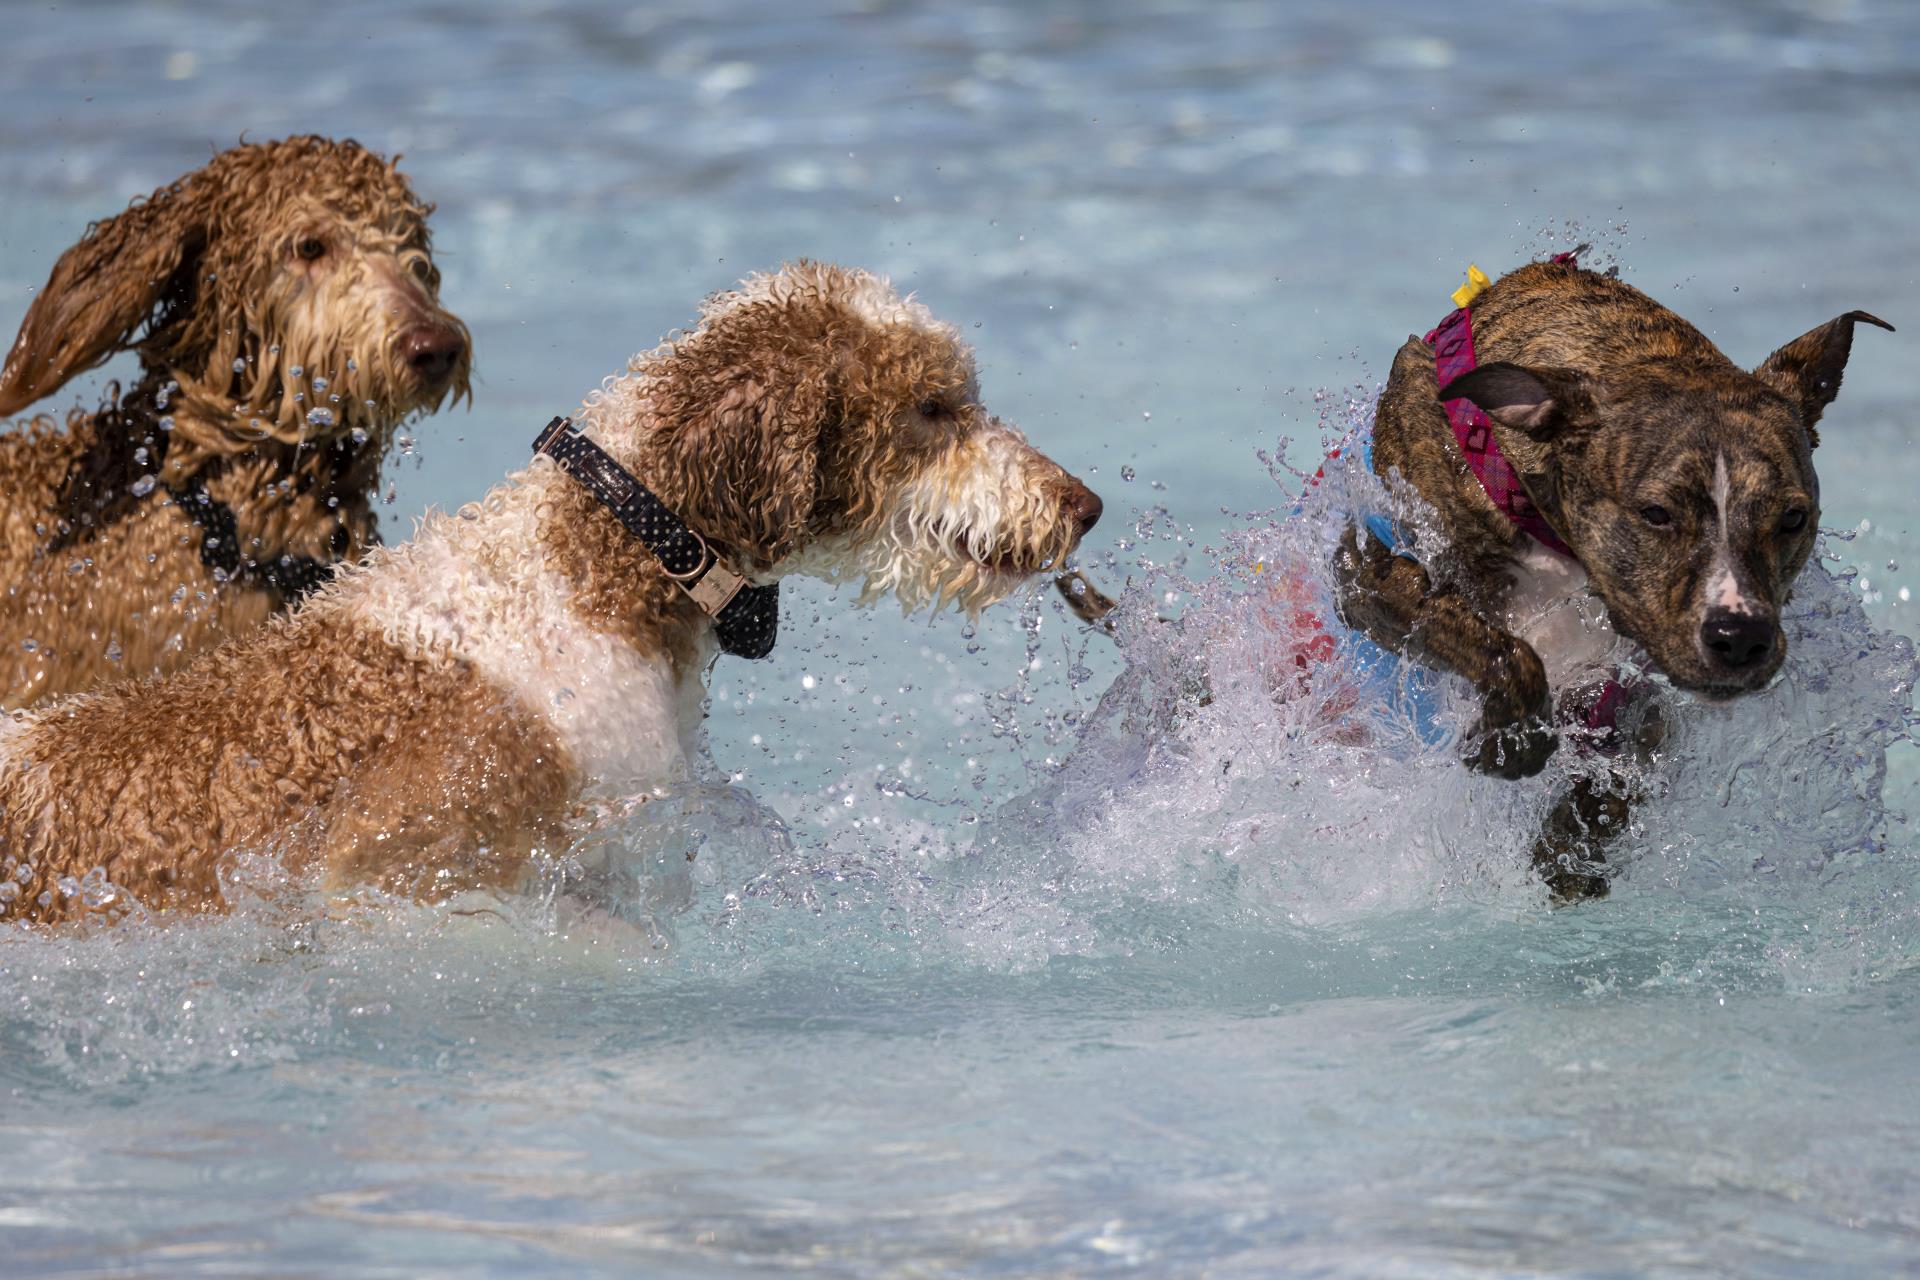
[
  {"x": 433, "y": 353},
  {"x": 1737, "y": 640},
  {"x": 1085, "y": 506}
]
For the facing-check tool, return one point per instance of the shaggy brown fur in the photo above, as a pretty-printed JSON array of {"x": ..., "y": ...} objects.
[
  {"x": 283, "y": 303},
  {"x": 307, "y": 741},
  {"x": 431, "y": 719}
]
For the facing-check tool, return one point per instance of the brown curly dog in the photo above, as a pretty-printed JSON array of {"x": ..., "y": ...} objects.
[
  {"x": 284, "y": 306},
  {"x": 434, "y": 716}
]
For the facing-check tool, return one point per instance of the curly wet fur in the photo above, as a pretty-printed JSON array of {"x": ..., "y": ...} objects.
[
  {"x": 430, "y": 720},
  {"x": 273, "y": 375}
]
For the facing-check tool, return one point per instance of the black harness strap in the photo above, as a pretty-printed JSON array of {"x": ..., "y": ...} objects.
[
  {"x": 746, "y": 618},
  {"x": 294, "y": 577}
]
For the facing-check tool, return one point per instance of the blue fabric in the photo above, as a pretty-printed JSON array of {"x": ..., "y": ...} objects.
[{"x": 1416, "y": 692}]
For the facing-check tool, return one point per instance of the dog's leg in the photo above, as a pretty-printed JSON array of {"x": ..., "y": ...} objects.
[
  {"x": 1391, "y": 601},
  {"x": 1570, "y": 854}
]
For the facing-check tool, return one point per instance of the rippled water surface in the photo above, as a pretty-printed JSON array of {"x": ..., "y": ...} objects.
[{"x": 996, "y": 954}]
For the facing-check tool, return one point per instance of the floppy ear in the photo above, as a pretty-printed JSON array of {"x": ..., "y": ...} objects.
[
  {"x": 100, "y": 293},
  {"x": 743, "y": 451},
  {"x": 1807, "y": 370},
  {"x": 1540, "y": 402}
]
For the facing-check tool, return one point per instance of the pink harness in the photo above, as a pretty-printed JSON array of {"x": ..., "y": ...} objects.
[{"x": 1452, "y": 343}]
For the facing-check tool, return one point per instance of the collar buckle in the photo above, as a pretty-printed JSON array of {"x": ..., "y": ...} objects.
[
  {"x": 715, "y": 589},
  {"x": 710, "y": 584}
]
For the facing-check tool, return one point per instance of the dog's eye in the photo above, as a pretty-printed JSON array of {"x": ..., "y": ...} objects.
[
  {"x": 932, "y": 409},
  {"x": 310, "y": 248},
  {"x": 1794, "y": 521},
  {"x": 1657, "y": 516}
]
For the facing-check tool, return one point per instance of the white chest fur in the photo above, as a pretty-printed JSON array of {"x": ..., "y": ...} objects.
[
  {"x": 476, "y": 585},
  {"x": 1551, "y": 609}
]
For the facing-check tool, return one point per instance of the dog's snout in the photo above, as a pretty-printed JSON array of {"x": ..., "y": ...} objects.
[
  {"x": 1085, "y": 507},
  {"x": 1737, "y": 641},
  {"x": 433, "y": 353}
]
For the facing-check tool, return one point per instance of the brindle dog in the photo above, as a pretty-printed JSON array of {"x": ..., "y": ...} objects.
[{"x": 1682, "y": 484}]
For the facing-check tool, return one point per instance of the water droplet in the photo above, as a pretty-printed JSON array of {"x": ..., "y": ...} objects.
[
  {"x": 143, "y": 486},
  {"x": 297, "y": 370},
  {"x": 30, "y": 645},
  {"x": 1126, "y": 474},
  {"x": 319, "y": 417},
  {"x": 359, "y": 435},
  {"x": 319, "y": 384},
  {"x": 166, "y": 424},
  {"x": 352, "y": 366}
]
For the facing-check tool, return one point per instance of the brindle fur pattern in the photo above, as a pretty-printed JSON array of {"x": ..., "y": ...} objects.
[
  {"x": 1684, "y": 485},
  {"x": 1639, "y": 411}
]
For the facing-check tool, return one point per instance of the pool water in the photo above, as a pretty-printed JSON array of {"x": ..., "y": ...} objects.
[{"x": 996, "y": 954}]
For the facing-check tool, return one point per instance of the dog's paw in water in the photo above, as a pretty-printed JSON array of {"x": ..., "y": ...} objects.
[{"x": 1515, "y": 736}]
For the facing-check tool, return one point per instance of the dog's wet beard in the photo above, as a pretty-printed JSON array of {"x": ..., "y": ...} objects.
[{"x": 965, "y": 532}]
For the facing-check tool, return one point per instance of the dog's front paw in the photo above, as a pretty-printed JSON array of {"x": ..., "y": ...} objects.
[
  {"x": 1515, "y": 736},
  {"x": 1568, "y": 881},
  {"x": 1513, "y": 751}
]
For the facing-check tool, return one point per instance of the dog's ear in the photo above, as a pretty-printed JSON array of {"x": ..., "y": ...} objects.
[
  {"x": 1541, "y": 402},
  {"x": 743, "y": 449},
  {"x": 1807, "y": 370},
  {"x": 100, "y": 293}
]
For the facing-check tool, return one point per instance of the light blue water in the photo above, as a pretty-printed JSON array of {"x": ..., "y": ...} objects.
[{"x": 990, "y": 960}]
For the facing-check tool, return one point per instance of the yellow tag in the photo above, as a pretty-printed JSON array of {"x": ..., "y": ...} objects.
[{"x": 1476, "y": 281}]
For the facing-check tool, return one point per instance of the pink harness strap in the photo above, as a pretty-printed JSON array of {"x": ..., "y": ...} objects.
[{"x": 1452, "y": 343}]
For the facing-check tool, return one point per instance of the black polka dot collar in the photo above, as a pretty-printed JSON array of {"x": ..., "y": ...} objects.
[{"x": 746, "y": 618}]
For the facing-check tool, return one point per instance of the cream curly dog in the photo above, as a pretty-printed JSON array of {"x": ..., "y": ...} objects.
[
  {"x": 284, "y": 306},
  {"x": 429, "y": 720}
]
